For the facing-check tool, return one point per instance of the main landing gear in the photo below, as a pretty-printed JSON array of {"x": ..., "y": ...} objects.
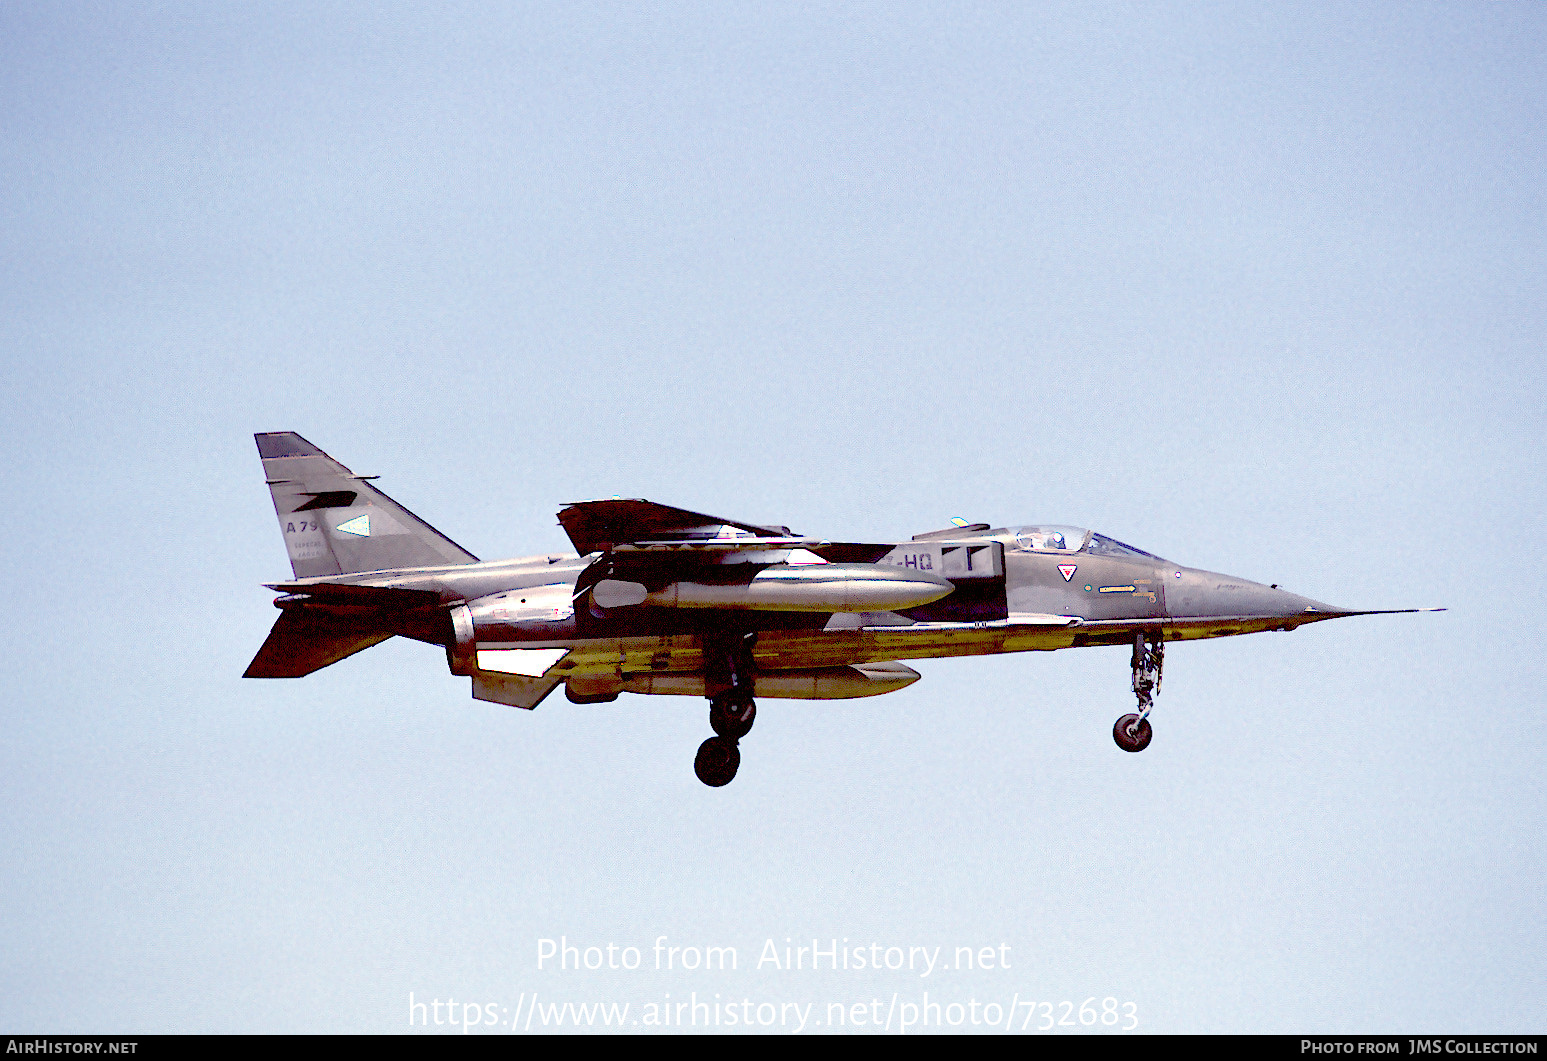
[
  {"x": 728, "y": 681},
  {"x": 730, "y": 716},
  {"x": 1133, "y": 731}
]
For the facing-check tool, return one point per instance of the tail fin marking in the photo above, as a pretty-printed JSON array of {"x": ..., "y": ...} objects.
[{"x": 335, "y": 522}]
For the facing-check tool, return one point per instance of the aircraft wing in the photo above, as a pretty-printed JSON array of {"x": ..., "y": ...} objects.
[{"x": 598, "y": 526}]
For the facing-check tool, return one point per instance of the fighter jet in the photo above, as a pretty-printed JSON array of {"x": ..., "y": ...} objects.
[{"x": 662, "y": 601}]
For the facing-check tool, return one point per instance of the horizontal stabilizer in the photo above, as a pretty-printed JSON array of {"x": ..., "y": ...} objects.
[{"x": 302, "y": 642}]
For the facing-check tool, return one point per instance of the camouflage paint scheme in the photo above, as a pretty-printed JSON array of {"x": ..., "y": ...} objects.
[{"x": 659, "y": 600}]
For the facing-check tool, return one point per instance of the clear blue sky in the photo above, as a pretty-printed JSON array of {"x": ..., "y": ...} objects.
[{"x": 1256, "y": 289}]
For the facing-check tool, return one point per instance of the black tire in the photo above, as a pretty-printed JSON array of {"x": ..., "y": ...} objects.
[
  {"x": 730, "y": 717},
  {"x": 1132, "y": 733},
  {"x": 717, "y": 762}
]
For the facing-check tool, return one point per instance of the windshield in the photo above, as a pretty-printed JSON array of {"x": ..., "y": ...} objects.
[{"x": 1100, "y": 545}]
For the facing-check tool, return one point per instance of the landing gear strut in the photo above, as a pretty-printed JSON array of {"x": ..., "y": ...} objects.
[
  {"x": 728, "y": 673},
  {"x": 1133, "y": 732}
]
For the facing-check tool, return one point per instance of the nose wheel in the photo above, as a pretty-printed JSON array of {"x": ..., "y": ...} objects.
[{"x": 1133, "y": 731}]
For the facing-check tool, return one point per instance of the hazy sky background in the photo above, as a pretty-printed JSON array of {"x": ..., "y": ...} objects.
[{"x": 1258, "y": 289}]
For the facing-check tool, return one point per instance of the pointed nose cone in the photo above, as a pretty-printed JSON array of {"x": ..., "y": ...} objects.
[{"x": 1207, "y": 594}]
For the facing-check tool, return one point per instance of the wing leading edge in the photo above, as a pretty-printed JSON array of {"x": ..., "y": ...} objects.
[{"x": 597, "y": 526}]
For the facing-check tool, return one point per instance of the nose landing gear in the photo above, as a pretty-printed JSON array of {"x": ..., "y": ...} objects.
[{"x": 1133, "y": 731}]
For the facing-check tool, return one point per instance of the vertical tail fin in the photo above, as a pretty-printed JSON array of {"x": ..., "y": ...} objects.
[{"x": 335, "y": 522}]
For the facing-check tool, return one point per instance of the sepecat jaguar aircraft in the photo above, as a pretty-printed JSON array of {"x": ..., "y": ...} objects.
[{"x": 663, "y": 601}]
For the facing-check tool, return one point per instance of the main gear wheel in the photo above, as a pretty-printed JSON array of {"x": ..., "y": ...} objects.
[
  {"x": 731, "y": 715},
  {"x": 717, "y": 761}
]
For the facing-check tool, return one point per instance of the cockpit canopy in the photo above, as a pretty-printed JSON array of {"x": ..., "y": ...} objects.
[
  {"x": 1069, "y": 540},
  {"x": 1050, "y": 539}
]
